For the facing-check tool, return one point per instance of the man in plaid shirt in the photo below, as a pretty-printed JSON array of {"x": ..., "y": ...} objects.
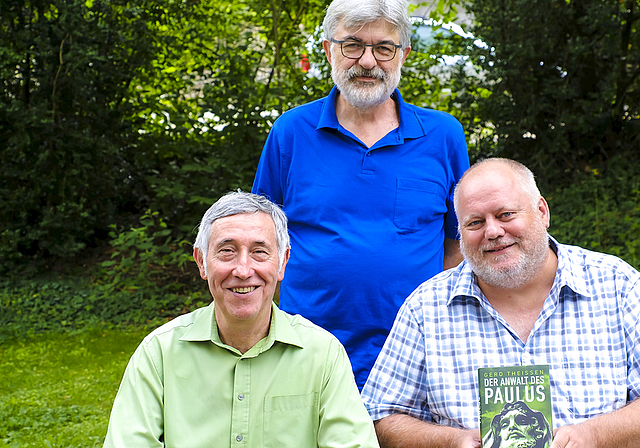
[{"x": 519, "y": 298}]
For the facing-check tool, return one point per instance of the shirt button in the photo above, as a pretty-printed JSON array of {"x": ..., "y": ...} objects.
[
  {"x": 239, "y": 437},
  {"x": 241, "y": 397}
]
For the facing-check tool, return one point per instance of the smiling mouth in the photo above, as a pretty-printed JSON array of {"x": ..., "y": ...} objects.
[
  {"x": 498, "y": 249},
  {"x": 244, "y": 290}
]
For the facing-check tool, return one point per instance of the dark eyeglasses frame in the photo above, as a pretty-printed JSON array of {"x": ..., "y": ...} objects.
[{"x": 364, "y": 48}]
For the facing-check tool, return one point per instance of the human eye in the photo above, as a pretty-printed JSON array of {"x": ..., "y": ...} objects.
[
  {"x": 225, "y": 253},
  {"x": 384, "y": 49},
  {"x": 506, "y": 215},
  {"x": 352, "y": 47},
  {"x": 261, "y": 254},
  {"x": 473, "y": 224}
]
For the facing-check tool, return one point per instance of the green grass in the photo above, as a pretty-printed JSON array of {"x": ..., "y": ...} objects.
[{"x": 56, "y": 390}]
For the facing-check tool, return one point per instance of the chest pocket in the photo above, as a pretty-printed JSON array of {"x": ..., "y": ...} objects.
[
  {"x": 291, "y": 420},
  {"x": 418, "y": 202}
]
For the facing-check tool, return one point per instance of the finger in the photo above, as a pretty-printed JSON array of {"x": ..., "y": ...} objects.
[{"x": 560, "y": 439}]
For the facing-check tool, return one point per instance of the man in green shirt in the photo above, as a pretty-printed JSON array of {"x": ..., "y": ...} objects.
[{"x": 240, "y": 372}]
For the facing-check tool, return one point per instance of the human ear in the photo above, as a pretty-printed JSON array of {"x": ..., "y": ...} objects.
[{"x": 199, "y": 259}]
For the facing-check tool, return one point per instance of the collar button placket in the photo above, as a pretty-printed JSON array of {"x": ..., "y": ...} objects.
[{"x": 240, "y": 406}]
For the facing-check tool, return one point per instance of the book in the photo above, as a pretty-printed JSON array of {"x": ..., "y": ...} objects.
[{"x": 515, "y": 407}]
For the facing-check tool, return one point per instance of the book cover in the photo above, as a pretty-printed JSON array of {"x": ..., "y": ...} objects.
[{"x": 515, "y": 407}]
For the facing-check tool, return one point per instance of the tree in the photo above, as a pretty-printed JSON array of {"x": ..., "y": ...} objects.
[
  {"x": 557, "y": 84},
  {"x": 67, "y": 122},
  {"x": 112, "y": 108}
]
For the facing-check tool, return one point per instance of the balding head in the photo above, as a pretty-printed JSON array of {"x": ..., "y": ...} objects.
[{"x": 499, "y": 166}]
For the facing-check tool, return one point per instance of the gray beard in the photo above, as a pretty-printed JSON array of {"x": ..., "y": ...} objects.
[
  {"x": 520, "y": 272},
  {"x": 366, "y": 96}
]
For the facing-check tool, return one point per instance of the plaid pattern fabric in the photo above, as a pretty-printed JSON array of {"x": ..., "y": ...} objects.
[{"x": 587, "y": 333}]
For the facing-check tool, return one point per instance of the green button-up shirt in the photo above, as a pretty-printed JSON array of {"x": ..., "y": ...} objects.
[{"x": 184, "y": 388}]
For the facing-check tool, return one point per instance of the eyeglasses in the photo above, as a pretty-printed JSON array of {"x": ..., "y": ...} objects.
[{"x": 353, "y": 49}]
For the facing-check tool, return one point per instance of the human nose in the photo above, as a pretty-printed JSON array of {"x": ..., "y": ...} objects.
[
  {"x": 493, "y": 229},
  {"x": 243, "y": 266},
  {"x": 367, "y": 60}
]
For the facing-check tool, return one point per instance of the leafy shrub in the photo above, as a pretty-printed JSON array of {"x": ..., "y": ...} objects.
[
  {"x": 146, "y": 256},
  {"x": 150, "y": 274},
  {"x": 150, "y": 278},
  {"x": 601, "y": 211}
]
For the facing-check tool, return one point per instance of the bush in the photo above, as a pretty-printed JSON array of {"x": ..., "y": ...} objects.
[
  {"x": 601, "y": 211},
  {"x": 149, "y": 279}
]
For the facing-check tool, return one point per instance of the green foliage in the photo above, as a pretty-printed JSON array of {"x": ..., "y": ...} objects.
[
  {"x": 146, "y": 258},
  {"x": 66, "y": 69},
  {"x": 563, "y": 83},
  {"x": 150, "y": 278},
  {"x": 601, "y": 211},
  {"x": 57, "y": 391},
  {"x": 426, "y": 77},
  {"x": 110, "y": 108},
  {"x": 151, "y": 273}
]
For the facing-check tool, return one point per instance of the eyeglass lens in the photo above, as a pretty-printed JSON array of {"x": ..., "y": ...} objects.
[{"x": 353, "y": 49}]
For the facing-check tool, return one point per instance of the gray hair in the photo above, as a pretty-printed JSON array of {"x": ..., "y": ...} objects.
[
  {"x": 356, "y": 14},
  {"x": 239, "y": 202},
  {"x": 527, "y": 179}
]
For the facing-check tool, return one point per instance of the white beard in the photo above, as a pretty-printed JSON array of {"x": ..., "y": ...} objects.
[{"x": 520, "y": 271}]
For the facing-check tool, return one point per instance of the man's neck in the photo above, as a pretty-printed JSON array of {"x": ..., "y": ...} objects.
[
  {"x": 520, "y": 307},
  {"x": 370, "y": 124},
  {"x": 242, "y": 337}
]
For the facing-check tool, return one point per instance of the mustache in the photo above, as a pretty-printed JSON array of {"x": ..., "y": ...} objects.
[{"x": 375, "y": 72}]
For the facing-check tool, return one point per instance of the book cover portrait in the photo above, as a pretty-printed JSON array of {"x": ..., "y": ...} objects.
[{"x": 515, "y": 407}]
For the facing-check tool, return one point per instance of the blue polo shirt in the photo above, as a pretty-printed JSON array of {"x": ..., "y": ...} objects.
[{"x": 367, "y": 225}]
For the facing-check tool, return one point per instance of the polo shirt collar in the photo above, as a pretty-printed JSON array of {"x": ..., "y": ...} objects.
[
  {"x": 410, "y": 124},
  {"x": 328, "y": 116},
  {"x": 205, "y": 328}
]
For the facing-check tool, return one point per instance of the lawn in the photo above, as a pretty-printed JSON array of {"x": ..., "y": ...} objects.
[{"x": 56, "y": 390}]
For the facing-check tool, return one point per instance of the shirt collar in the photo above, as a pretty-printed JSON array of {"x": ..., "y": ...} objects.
[
  {"x": 204, "y": 328},
  {"x": 466, "y": 284},
  {"x": 410, "y": 124},
  {"x": 568, "y": 273}
]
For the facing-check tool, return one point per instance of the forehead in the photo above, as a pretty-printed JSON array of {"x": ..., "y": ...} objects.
[
  {"x": 377, "y": 30},
  {"x": 244, "y": 227},
  {"x": 486, "y": 191}
]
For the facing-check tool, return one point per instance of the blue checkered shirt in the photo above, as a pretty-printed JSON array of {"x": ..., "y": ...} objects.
[{"x": 587, "y": 332}]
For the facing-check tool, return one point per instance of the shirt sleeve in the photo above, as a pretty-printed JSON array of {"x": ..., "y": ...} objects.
[
  {"x": 137, "y": 413},
  {"x": 631, "y": 316},
  {"x": 267, "y": 180},
  {"x": 396, "y": 384},
  {"x": 344, "y": 421},
  {"x": 459, "y": 162}
]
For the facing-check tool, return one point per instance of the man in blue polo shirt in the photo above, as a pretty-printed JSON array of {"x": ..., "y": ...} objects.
[{"x": 366, "y": 181}]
